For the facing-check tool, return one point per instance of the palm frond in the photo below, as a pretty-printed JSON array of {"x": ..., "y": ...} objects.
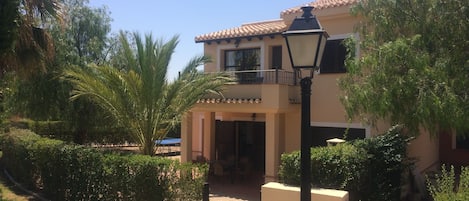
[{"x": 139, "y": 97}]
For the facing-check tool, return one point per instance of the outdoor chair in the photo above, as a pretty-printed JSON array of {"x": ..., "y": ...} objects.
[
  {"x": 244, "y": 168},
  {"x": 221, "y": 171}
]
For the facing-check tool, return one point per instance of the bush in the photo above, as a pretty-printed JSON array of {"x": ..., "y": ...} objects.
[
  {"x": 444, "y": 188},
  {"x": 369, "y": 169},
  {"x": 17, "y": 157},
  {"x": 63, "y": 130},
  {"x": 331, "y": 167},
  {"x": 385, "y": 166},
  {"x": 71, "y": 172},
  {"x": 105, "y": 134}
]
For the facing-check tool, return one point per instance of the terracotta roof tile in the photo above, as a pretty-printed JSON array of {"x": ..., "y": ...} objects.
[
  {"x": 271, "y": 27},
  {"x": 245, "y": 30},
  {"x": 320, "y": 4}
]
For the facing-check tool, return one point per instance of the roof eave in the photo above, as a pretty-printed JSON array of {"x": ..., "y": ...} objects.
[{"x": 239, "y": 38}]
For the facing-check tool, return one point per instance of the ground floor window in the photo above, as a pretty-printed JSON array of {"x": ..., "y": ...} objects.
[
  {"x": 240, "y": 142},
  {"x": 462, "y": 142}
]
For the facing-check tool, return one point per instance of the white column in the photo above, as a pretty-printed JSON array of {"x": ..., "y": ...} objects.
[
  {"x": 186, "y": 138},
  {"x": 272, "y": 146}
]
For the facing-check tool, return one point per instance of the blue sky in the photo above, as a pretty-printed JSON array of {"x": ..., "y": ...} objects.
[{"x": 190, "y": 18}]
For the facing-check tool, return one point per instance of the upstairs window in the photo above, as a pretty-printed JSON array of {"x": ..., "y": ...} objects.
[
  {"x": 276, "y": 57},
  {"x": 333, "y": 60},
  {"x": 243, "y": 59}
]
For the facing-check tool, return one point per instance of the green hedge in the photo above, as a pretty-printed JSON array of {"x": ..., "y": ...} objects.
[
  {"x": 71, "y": 172},
  {"x": 370, "y": 169},
  {"x": 62, "y": 130}
]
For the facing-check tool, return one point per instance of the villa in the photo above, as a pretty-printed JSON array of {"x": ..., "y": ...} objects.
[{"x": 258, "y": 119}]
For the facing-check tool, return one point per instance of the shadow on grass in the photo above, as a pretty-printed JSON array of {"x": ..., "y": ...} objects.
[{"x": 13, "y": 191}]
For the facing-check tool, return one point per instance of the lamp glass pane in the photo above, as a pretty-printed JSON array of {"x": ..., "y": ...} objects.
[
  {"x": 321, "y": 49},
  {"x": 303, "y": 49}
]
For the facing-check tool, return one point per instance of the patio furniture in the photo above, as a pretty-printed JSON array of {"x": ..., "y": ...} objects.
[{"x": 167, "y": 143}]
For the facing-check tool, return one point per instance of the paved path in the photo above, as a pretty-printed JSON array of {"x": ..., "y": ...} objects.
[
  {"x": 218, "y": 198},
  {"x": 221, "y": 189}
]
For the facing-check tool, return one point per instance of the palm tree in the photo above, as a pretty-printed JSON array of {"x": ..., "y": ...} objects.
[
  {"x": 25, "y": 45},
  {"x": 139, "y": 96}
]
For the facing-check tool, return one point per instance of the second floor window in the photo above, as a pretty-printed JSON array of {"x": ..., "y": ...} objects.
[
  {"x": 334, "y": 57},
  {"x": 243, "y": 59}
]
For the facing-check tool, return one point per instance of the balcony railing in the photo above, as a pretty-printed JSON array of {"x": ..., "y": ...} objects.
[{"x": 274, "y": 76}]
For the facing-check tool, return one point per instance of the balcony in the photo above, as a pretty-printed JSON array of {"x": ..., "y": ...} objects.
[
  {"x": 273, "y": 76},
  {"x": 257, "y": 90}
]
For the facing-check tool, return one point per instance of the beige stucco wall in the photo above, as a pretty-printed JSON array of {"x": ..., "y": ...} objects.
[
  {"x": 424, "y": 148},
  {"x": 325, "y": 102},
  {"x": 292, "y": 130},
  {"x": 197, "y": 142}
]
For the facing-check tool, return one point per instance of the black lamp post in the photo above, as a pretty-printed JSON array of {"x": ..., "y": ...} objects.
[{"x": 306, "y": 40}]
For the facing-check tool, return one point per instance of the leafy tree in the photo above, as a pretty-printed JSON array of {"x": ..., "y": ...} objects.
[
  {"x": 413, "y": 66},
  {"x": 139, "y": 96},
  {"x": 82, "y": 39},
  {"x": 86, "y": 37}
]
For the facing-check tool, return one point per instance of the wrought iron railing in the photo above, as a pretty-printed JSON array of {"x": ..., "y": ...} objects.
[{"x": 273, "y": 76}]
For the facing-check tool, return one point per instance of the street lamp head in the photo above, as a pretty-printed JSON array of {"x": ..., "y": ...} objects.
[{"x": 306, "y": 40}]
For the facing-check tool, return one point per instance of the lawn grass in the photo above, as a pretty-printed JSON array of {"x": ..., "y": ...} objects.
[
  {"x": 10, "y": 192},
  {"x": 7, "y": 194}
]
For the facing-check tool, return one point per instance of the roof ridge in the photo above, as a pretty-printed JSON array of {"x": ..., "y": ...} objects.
[
  {"x": 319, "y": 4},
  {"x": 268, "y": 27},
  {"x": 262, "y": 22}
]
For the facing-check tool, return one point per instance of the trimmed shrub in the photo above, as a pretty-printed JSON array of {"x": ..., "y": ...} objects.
[
  {"x": 71, "y": 172},
  {"x": 63, "y": 130},
  {"x": 330, "y": 166},
  {"x": 370, "y": 169},
  {"x": 337, "y": 167},
  {"x": 56, "y": 129},
  {"x": 17, "y": 157},
  {"x": 290, "y": 168}
]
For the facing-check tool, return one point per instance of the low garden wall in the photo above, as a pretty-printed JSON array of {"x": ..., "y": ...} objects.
[{"x": 273, "y": 191}]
